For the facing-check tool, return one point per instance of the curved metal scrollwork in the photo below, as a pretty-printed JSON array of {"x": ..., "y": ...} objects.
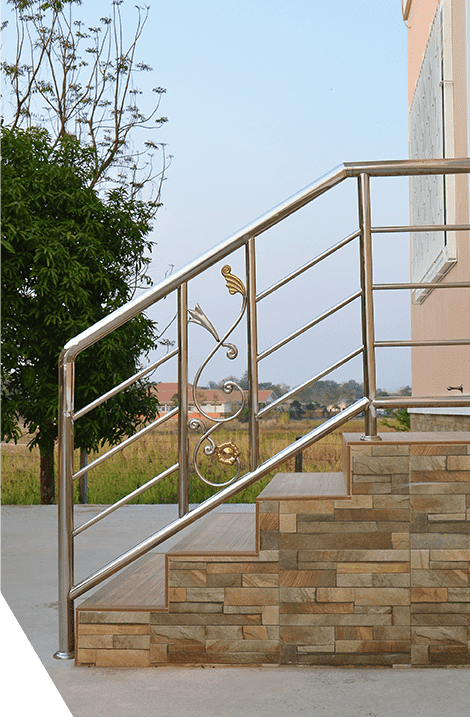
[
  {"x": 197, "y": 315},
  {"x": 227, "y": 453}
]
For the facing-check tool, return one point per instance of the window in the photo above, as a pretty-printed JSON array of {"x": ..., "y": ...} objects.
[{"x": 433, "y": 254}]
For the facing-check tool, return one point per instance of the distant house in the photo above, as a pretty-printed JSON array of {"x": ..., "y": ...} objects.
[
  {"x": 214, "y": 402},
  {"x": 337, "y": 407},
  {"x": 265, "y": 397}
]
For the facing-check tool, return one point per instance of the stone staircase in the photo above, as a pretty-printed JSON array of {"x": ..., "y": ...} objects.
[{"x": 369, "y": 567}]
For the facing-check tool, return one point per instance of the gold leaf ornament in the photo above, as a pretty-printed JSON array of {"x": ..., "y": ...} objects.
[{"x": 234, "y": 284}]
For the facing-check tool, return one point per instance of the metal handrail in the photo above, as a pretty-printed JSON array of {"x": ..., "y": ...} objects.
[
  {"x": 424, "y": 285},
  {"x": 116, "y": 449},
  {"x": 125, "y": 384},
  {"x": 308, "y": 265},
  {"x": 130, "y": 496},
  {"x": 179, "y": 282},
  {"x": 425, "y": 342},
  {"x": 422, "y": 228},
  {"x": 425, "y": 402},
  {"x": 310, "y": 325},
  {"x": 298, "y": 389},
  {"x": 265, "y": 222},
  {"x": 221, "y": 497}
]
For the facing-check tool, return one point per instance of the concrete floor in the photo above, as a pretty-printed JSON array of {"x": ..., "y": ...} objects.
[{"x": 29, "y": 586}]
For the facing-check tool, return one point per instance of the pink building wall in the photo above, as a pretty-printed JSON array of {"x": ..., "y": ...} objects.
[{"x": 445, "y": 314}]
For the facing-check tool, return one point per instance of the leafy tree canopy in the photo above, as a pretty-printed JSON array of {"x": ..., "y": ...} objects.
[
  {"x": 71, "y": 255},
  {"x": 69, "y": 259}
]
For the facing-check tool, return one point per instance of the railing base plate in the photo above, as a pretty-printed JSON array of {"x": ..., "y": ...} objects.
[
  {"x": 374, "y": 439},
  {"x": 63, "y": 655}
]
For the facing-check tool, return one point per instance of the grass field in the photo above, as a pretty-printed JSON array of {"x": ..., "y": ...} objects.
[{"x": 143, "y": 460}]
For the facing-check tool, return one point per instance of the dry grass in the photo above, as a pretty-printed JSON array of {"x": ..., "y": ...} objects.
[{"x": 148, "y": 457}]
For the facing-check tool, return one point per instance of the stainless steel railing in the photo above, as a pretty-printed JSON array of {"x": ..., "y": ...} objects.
[{"x": 246, "y": 237}]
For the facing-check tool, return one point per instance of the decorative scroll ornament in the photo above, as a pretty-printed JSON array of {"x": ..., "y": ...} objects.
[
  {"x": 197, "y": 316},
  {"x": 234, "y": 284},
  {"x": 227, "y": 453}
]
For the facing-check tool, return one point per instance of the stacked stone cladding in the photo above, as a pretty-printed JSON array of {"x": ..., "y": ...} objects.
[
  {"x": 113, "y": 638},
  {"x": 439, "y": 422},
  {"x": 379, "y": 576},
  {"x": 221, "y": 611}
]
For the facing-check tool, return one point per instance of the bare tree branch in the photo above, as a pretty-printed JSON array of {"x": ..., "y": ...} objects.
[{"x": 80, "y": 81}]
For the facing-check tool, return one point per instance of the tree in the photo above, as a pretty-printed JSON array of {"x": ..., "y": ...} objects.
[
  {"x": 69, "y": 258},
  {"x": 350, "y": 391},
  {"x": 401, "y": 415},
  {"x": 404, "y": 391},
  {"x": 296, "y": 411},
  {"x": 279, "y": 389},
  {"x": 76, "y": 79},
  {"x": 72, "y": 255}
]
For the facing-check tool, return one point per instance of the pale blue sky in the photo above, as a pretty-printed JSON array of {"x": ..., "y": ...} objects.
[{"x": 262, "y": 98}]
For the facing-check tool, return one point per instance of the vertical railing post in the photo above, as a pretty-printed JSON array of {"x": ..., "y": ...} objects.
[
  {"x": 183, "y": 431},
  {"x": 65, "y": 509},
  {"x": 367, "y": 306},
  {"x": 299, "y": 459},
  {"x": 252, "y": 344}
]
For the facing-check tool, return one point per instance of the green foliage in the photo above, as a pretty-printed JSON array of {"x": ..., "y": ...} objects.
[
  {"x": 69, "y": 258},
  {"x": 400, "y": 416},
  {"x": 296, "y": 411},
  {"x": 326, "y": 393},
  {"x": 401, "y": 419},
  {"x": 144, "y": 459}
]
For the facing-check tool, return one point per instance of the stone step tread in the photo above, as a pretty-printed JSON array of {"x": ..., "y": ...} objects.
[
  {"x": 299, "y": 486},
  {"x": 411, "y": 437},
  {"x": 140, "y": 585},
  {"x": 220, "y": 533}
]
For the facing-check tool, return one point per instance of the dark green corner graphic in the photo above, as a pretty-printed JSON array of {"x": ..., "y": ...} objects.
[{"x": 26, "y": 687}]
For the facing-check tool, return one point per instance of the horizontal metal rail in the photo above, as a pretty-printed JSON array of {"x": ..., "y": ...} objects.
[
  {"x": 117, "y": 389},
  {"x": 428, "y": 285},
  {"x": 308, "y": 265},
  {"x": 407, "y": 167},
  {"x": 290, "y": 394},
  {"x": 425, "y": 402},
  {"x": 171, "y": 283},
  {"x": 422, "y": 228},
  {"x": 143, "y": 547},
  {"x": 428, "y": 342},
  {"x": 310, "y": 325},
  {"x": 135, "y": 493},
  {"x": 260, "y": 225},
  {"x": 125, "y": 443}
]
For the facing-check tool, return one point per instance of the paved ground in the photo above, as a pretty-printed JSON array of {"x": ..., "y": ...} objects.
[{"x": 29, "y": 585}]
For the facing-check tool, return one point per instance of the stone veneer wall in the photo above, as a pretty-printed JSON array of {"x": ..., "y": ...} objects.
[
  {"x": 222, "y": 610},
  {"x": 396, "y": 557},
  {"x": 439, "y": 422},
  {"x": 377, "y": 578}
]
